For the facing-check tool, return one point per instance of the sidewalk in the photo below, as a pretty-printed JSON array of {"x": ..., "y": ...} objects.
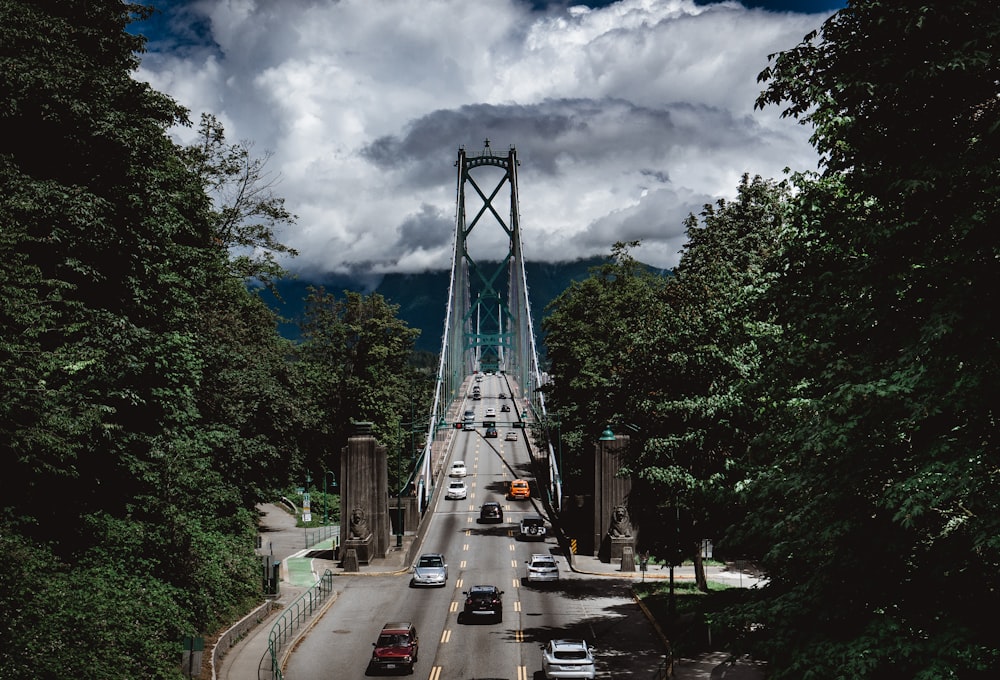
[
  {"x": 301, "y": 567},
  {"x": 707, "y": 666}
]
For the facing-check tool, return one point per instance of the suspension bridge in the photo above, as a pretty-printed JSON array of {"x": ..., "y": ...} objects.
[{"x": 488, "y": 323}]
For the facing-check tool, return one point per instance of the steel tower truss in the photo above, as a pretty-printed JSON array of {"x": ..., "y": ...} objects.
[{"x": 488, "y": 320}]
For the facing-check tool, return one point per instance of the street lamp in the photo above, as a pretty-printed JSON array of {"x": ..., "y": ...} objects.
[
  {"x": 326, "y": 501},
  {"x": 599, "y": 519}
]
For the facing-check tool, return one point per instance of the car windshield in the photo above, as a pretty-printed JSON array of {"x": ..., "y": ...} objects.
[
  {"x": 570, "y": 654},
  {"x": 391, "y": 640},
  {"x": 431, "y": 561}
]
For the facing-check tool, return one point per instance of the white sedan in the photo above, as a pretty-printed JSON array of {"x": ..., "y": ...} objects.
[
  {"x": 457, "y": 490},
  {"x": 458, "y": 469},
  {"x": 491, "y": 412}
]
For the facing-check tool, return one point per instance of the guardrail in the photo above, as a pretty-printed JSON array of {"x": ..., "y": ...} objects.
[
  {"x": 288, "y": 624},
  {"x": 314, "y": 535}
]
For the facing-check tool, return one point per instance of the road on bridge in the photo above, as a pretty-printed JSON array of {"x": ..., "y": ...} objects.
[{"x": 578, "y": 606}]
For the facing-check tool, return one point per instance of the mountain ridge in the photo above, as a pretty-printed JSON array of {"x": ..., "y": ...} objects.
[{"x": 423, "y": 297}]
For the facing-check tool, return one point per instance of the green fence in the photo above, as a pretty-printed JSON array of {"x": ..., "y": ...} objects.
[{"x": 290, "y": 622}]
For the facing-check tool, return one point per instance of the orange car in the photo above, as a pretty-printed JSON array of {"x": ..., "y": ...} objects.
[{"x": 519, "y": 490}]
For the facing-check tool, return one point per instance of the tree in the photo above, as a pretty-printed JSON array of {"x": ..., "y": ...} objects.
[
  {"x": 131, "y": 525},
  {"x": 590, "y": 328},
  {"x": 353, "y": 363},
  {"x": 247, "y": 212},
  {"x": 686, "y": 376},
  {"x": 876, "y": 487}
]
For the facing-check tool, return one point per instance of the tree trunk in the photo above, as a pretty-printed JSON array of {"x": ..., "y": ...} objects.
[{"x": 699, "y": 570}]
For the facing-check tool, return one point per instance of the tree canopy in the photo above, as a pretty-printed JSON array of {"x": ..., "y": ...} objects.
[
  {"x": 149, "y": 402},
  {"x": 817, "y": 383}
]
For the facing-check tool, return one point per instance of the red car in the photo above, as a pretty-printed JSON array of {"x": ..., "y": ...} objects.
[{"x": 396, "y": 648}]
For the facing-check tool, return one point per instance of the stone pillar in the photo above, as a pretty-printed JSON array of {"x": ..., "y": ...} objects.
[
  {"x": 364, "y": 496},
  {"x": 612, "y": 530}
]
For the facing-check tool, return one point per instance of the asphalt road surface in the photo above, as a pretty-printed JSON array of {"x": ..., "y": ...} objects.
[{"x": 598, "y": 609}]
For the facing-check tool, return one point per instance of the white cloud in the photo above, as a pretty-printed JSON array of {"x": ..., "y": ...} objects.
[{"x": 625, "y": 118}]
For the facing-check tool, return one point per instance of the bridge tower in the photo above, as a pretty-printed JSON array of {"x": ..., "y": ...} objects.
[{"x": 488, "y": 325}]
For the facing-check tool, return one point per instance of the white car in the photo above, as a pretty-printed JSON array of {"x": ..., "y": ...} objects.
[
  {"x": 457, "y": 490},
  {"x": 491, "y": 412},
  {"x": 568, "y": 659},
  {"x": 542, "y": 567},
  {"x": 458, "y": 469},
  {"x": 511, "y": 436}
]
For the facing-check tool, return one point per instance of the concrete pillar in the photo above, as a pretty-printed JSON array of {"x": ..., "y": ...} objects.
[
  {"x": 610, "y": 492},
  {"x": 364, "y": 490}
]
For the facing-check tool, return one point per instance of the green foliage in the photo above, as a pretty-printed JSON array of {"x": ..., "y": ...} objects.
[
  {"x": 353, "y": 366},
  {"x": 246, "y": 211},
  {"x": 588, "y": 389},
  {"x": 149, "y": 402},
  {"x": 685, "y": 393},
  {"x": 882, "y": 391}
]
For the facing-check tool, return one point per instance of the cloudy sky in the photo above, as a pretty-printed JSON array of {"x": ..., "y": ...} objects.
[{"x": 626, "y": 116}]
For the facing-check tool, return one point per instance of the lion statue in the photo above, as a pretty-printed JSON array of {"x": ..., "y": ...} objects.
[
  {"x": 620, "y": 525},
  {"x": 359, "y": 524}
]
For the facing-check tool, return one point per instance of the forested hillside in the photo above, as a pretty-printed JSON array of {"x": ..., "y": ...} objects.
[
  {"x": 423, "y": 297},
  {"x": 148, "y": 401},
  {"x": 816, "y": 388}
]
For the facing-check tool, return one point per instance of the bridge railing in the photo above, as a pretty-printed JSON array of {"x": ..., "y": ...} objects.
[{"x": 289, "y": 624}]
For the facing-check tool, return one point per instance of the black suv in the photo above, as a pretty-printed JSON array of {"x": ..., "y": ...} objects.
[
  {"x": 491, "y": 512},
  {"x": 483, "y": 602}
]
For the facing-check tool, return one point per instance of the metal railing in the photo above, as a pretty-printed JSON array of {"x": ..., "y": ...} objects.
[
  {"x": 290, "y": 622},
  {"x": 314, "y": 535}
]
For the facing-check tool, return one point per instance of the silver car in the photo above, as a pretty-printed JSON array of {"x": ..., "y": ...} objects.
[{"x": 430, "y": 570}]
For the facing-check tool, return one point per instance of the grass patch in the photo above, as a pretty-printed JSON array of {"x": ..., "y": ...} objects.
[{"x": 696, "y": 625}]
